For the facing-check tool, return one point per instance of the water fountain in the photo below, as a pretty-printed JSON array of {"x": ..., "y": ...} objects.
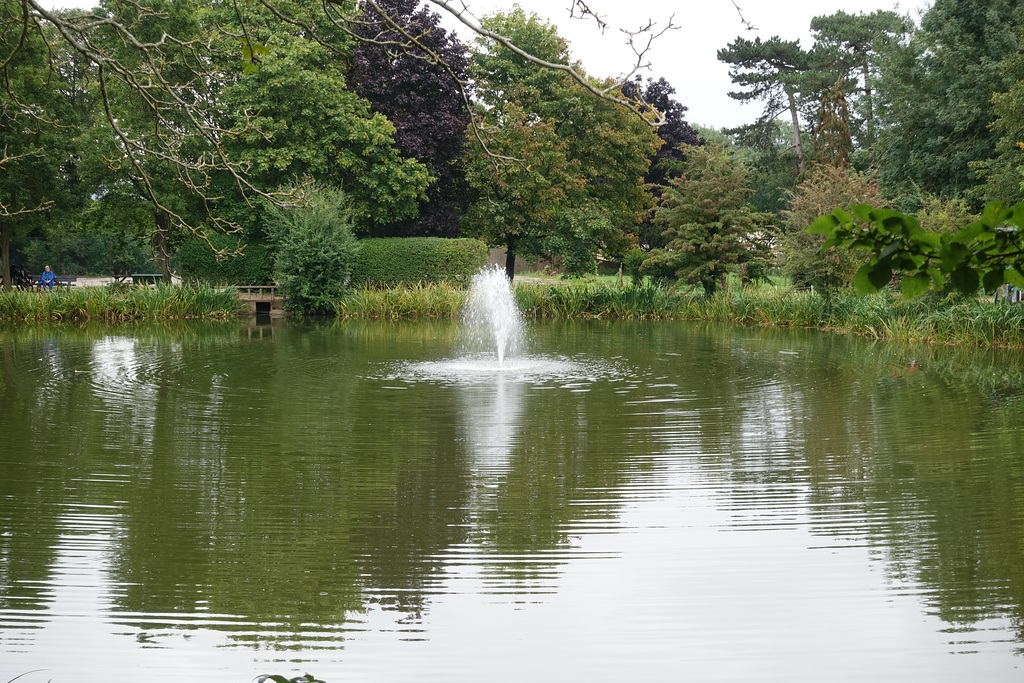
[
  {"x": 492, "y": 318},
  {"x": 494, "y": 346}
]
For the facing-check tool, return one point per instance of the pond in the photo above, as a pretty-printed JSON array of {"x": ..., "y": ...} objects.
[{"x": 621, "y": 501}]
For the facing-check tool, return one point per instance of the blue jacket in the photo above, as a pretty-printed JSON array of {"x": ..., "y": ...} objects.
[{"x": 46, "y": 277}]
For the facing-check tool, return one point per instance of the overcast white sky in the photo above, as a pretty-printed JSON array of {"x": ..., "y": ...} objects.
[{"x": 686, "y": 57}]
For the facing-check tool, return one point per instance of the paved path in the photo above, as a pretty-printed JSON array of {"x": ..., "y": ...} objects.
[{"x": 89, "y": 281}]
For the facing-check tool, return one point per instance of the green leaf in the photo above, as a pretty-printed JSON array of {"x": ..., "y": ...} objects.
[
  {"x": 965, "y": 279},
  {"x": 915, "y": 285},
  {"x": 993, "y": 279},
  {"x": 970, "y": 233},
  {"x": 995, "y": 214},
  {"x": 888, "y": 251},
  {"x": 863, "y": 212},
  {"x": 1013, "y": 276},
  {"x": 872, "y": 277},
  {"x": 824, "y": 225},
  {"x": 929, "y": 239}
]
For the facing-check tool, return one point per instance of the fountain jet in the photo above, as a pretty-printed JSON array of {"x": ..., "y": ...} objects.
[{"x": 491, "y": 314}]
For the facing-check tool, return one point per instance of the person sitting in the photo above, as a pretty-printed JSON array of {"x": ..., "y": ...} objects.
[{"x": 46, "y": 279}]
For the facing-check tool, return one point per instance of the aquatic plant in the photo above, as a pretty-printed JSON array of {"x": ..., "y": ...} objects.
[
  {"x": 120, "y": 304},
  {"x": 422, "y": 300}
]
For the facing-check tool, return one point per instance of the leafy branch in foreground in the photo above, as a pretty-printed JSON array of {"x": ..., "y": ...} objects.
[{"x": 989, "y": 252}]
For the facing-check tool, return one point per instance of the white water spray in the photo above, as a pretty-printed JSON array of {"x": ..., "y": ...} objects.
[{"x": 491, "y": 315}]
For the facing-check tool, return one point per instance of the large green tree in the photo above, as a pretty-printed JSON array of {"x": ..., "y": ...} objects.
[
  {"x": 1004, "y": 175},
  {"x": 294, "y": 117},
  {"x": 36, "y": 132},
  {"x": 851, "y": 45},
  {"x": 936, "y": 98},
  {"x": 710, "y": 228},
  {"x": 144, "y": 158},
  {"x": 773, "y": 71},
  {"x": 558, "y": 169}
]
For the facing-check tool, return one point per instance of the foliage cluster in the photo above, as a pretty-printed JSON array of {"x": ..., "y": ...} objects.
[
  {"x": 803, "y": 259},
  {"x": 393, "y": 261},
  {"x": 987, "y": 253},
  {"x": 565, "y": 170},
  {"x": 315, "y": 249},
  {"x": 710, "y": 229}
]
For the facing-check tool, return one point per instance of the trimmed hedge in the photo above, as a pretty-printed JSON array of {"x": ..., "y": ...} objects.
[
  {"x": 396, "y": 261},
  {"x": 254, "y": 267}
]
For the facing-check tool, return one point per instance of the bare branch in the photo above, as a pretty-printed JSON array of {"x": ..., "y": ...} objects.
[
  {"x": 743, "y": 20},
  {"x": 5, "y": 210},
  {"x": 466, "y": 18}
]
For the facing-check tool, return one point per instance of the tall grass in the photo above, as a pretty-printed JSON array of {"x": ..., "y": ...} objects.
[
  {"x": 440, "y": 300},
  {"x": 162, "y": 302},
  {"x": 886, "y": 315},
  {"x": 931, "y": 318},
  {"x": 590, "y": 300}
]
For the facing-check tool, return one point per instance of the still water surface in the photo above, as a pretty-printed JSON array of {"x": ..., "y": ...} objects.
[{"x": 627, "y": 501}]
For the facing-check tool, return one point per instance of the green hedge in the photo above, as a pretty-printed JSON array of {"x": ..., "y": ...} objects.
[
  {"x": 254, "y": 267},
  {"x": 395, "y": 261}
]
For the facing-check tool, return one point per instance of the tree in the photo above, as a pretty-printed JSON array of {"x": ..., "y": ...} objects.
[
  {"x": 851, "y": 45},
  {"x": 773, "y": 70},
  {"x": 765, "y": 149},
  {"x": 34, "y": 147},
  {"x": 419, "y": 91},
  {"x": 558, "y": 167},
  {"x": 294, "y": 117},
  {"x": 833, "y": 142},
  {"x": 803, "y": 258},
  {"x": 1004, "y": 175},
  {"x": 674, "y": 132},
  {"x": 709, "y": 227},
  {"x": 936, "y": 94}
]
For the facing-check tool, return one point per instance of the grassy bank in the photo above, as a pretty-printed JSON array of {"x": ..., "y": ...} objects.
[
  {"x": 163, "y": 302},
  {"x": 887, "y": 315}
]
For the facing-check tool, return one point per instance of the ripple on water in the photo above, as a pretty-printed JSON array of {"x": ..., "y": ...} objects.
[{"x": 485, "y": 368}]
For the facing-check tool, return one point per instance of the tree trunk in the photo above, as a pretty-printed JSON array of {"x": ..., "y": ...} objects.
[
  {"x": 797, "y": 144},
  {"x": 5, "y": 254},
  {"x": 162, "y": 251},
  {"x": 510, "y": 260},
  {"x": 869, "y": 113}
]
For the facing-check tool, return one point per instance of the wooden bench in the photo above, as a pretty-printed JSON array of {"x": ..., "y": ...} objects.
[
  {"x": 146, "y": 278},
  {"x": 66, "y": 281}
]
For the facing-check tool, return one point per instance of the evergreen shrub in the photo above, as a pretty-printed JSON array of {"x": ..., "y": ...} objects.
[
  {"x": 396, "y": 261},
  {"x": 316, "y": 249}
]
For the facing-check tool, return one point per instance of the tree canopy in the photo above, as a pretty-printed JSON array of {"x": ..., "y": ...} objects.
[{"x": 569, "y": 172}]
